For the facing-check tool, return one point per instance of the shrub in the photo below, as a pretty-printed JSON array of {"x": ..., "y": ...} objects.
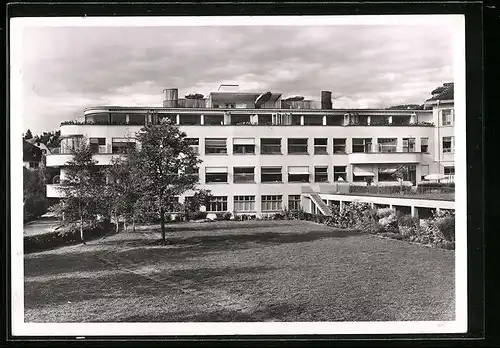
[
  {"x": 70, "y": 234},
  {"x": 370, "y": 226},
  {"x": 279, "y": 215},
  {"x": 223, "y": 215},
  {"x": 446, "y": 227},
  {"x": 388, "y": 219},
  {"x": 408, "y": 225},
  {"x": 197, "y": 215}
]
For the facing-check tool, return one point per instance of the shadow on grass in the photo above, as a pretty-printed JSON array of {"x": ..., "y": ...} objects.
[
  {"x": 130, "y": 285},
  {"x": 274, "y": 312},
  {"x": 237, "y": 241}
]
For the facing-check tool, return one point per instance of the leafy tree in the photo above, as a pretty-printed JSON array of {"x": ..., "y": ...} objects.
[
  {"x": 402, "y": 172},
  {"x": 35, "y": 202},
  {"x": 193, "y": 204},
  {"x": 123, "y": 188},
  {"x": 165, "y": 166},
  {"x": 82, "y": 188},
  {"x": 28, "y": 135}
]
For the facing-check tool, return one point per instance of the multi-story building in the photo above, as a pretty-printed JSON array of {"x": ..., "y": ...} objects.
[{"x": 260, "y": 150}]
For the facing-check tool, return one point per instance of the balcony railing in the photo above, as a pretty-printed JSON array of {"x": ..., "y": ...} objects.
[
  {"x": 247, "y": 123},
  {"x": 417, "y": 192}
]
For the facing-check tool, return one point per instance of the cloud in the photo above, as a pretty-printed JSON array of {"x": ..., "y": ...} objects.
[{"x": 66, "y": 69}]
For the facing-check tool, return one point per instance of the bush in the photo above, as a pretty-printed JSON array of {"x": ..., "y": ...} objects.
[
  {"x": 197, "y": 215},
  {"x": 223, "y": 216},
  {"x": 67, "y": 235},
  {"x": 279, "y": 215},
  {"x": 408, "y": 226},
  {"x": 370, "y": 226},
  {"x": 388, "y": 219},
  {"x": 446, "y": 227}
]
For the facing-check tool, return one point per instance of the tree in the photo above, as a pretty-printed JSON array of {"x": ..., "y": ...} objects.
[
  {"x": 166, "y": 166},
  {"x": 35, "y": 202},
  {"x": 123, "y": 188},
  {"x": 193, "y": 204},
  {"x": 28, "y": 135},
  {"x": 82, "y": 188},
  {"x": 402, "y": 172}
]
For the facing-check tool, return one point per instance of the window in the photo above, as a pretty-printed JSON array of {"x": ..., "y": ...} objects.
[
  {"x": 339, "y": 146},
  {"x": 213, "y": 120},
  {"x": 408, "y": 144},
  {"x": 98, "y": 145},
  {"x": 34, "y": 164},
  {"x": 363, "y": 145},
  {"x": 448, "y": 145},
  {"x": 424, "y": 171},
  {"x": 334, "y": 120},
  {"x": 387, "y": 144},
  {"x": 294, "y": 202},
  {"x": 244, "y": 174},
  {"x": 387, "y": 174},
  {"x": 240, "y": 119},
  {"x": 215, "y": 174},
  {"x": 244, "y": 203},
  {"x": 122, "y": 145},
  {"x": 297, "y": 146},
  {"x": 315, "y": 120},
  {"x": 449, "y": 170},
  {"x": 244, "y": 146},
  {"x": 321, "y": 174},
  {"x": 270, "y": 146},
  {"x": 295, "y": 120},
  {"x": 189, "y": 119},
  {"x": 194, "y": 143},
  {"x": 362, "y": 174},
  {"x": 339, "y": 173},
  {"x": 424, "y": 145},
  {"x": 321, "y": 146},
  {"x": 272, "y": 203},
  {"x": 217, "y": 203},
  {"x": 298, "y": 174},
  {"x": 271, "y": 174},
  {"x": 215, "y": 146},
  {"x": 446, "y": 117},
  {"x": 401, "y": 120}
]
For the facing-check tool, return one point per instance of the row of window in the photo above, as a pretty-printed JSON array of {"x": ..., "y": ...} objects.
[
  {"x": 273, "y": 174},
  {"x": 246, "y": 204},
  {"x": 246, "y": 146}
]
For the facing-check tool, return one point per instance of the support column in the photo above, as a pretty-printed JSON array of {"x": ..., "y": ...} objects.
[
  {"x": 127, "y": 118},
  {"x": 369, "y": 120},
  {"x": 341, "y": 205},
  {"x": 324, "y": 120},
  {"x": 177, "y": 119},
  {"x": 202, "y": 120},
  {"x": 414, "y": 211},
  {"x": 390, "y": 206},
  {"x": 390, "y": 119},
  {"x": 301, "y": 120}
]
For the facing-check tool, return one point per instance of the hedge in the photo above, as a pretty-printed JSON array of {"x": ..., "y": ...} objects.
[{"x": 64, "y": 236}]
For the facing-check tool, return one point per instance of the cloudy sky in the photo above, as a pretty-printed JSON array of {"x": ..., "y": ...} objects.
[{"x": 66, "y": 69}]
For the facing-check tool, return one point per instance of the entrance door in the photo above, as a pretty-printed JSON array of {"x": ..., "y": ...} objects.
[{"x": 412, "y": 171}]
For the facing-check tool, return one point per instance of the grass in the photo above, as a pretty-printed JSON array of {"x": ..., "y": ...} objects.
[{"x": 240, "y": 271}]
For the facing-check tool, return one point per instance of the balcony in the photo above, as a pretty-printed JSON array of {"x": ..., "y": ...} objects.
[
  {"x": 385, "y": 157},
  {"x": 58, "y": 160}
]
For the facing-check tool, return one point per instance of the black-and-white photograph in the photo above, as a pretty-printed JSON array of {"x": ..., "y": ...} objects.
[{"x": 255, "y": 174}]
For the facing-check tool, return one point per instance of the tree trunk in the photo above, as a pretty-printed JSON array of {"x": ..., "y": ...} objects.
[
  {"x": 133, "y": 223},
  {"x": 162, "y": 222},
  {"x": 117, "y": 227},
  {"x": 125, "y": 223},
  {"x": 81, "y": 229}
]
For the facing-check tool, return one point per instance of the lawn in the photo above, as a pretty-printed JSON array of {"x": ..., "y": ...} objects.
[{"x": 240, "y": 271}]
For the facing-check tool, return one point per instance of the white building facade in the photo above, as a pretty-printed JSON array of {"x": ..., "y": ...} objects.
[{"x": 260, "y": 151}]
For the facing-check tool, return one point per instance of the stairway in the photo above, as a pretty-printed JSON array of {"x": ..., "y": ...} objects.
[{"x": 322, "y": 207}]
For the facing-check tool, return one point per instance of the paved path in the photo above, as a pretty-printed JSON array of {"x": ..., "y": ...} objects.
[{"x": 40, "y": 226}]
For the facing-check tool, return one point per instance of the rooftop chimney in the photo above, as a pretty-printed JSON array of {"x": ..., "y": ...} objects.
[{"x": 326, "y": 100}]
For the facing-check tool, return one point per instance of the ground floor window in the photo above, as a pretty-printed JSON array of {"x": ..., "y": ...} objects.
[
  {"x": 272, "y": 203},
  {"x": 217, "y": 203},
  {"x": 244, "y": 203},
  {"x": 449, "y": 170},
  {"x": 294, "y": 202},
  {"x": 387, "y": 174}
]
